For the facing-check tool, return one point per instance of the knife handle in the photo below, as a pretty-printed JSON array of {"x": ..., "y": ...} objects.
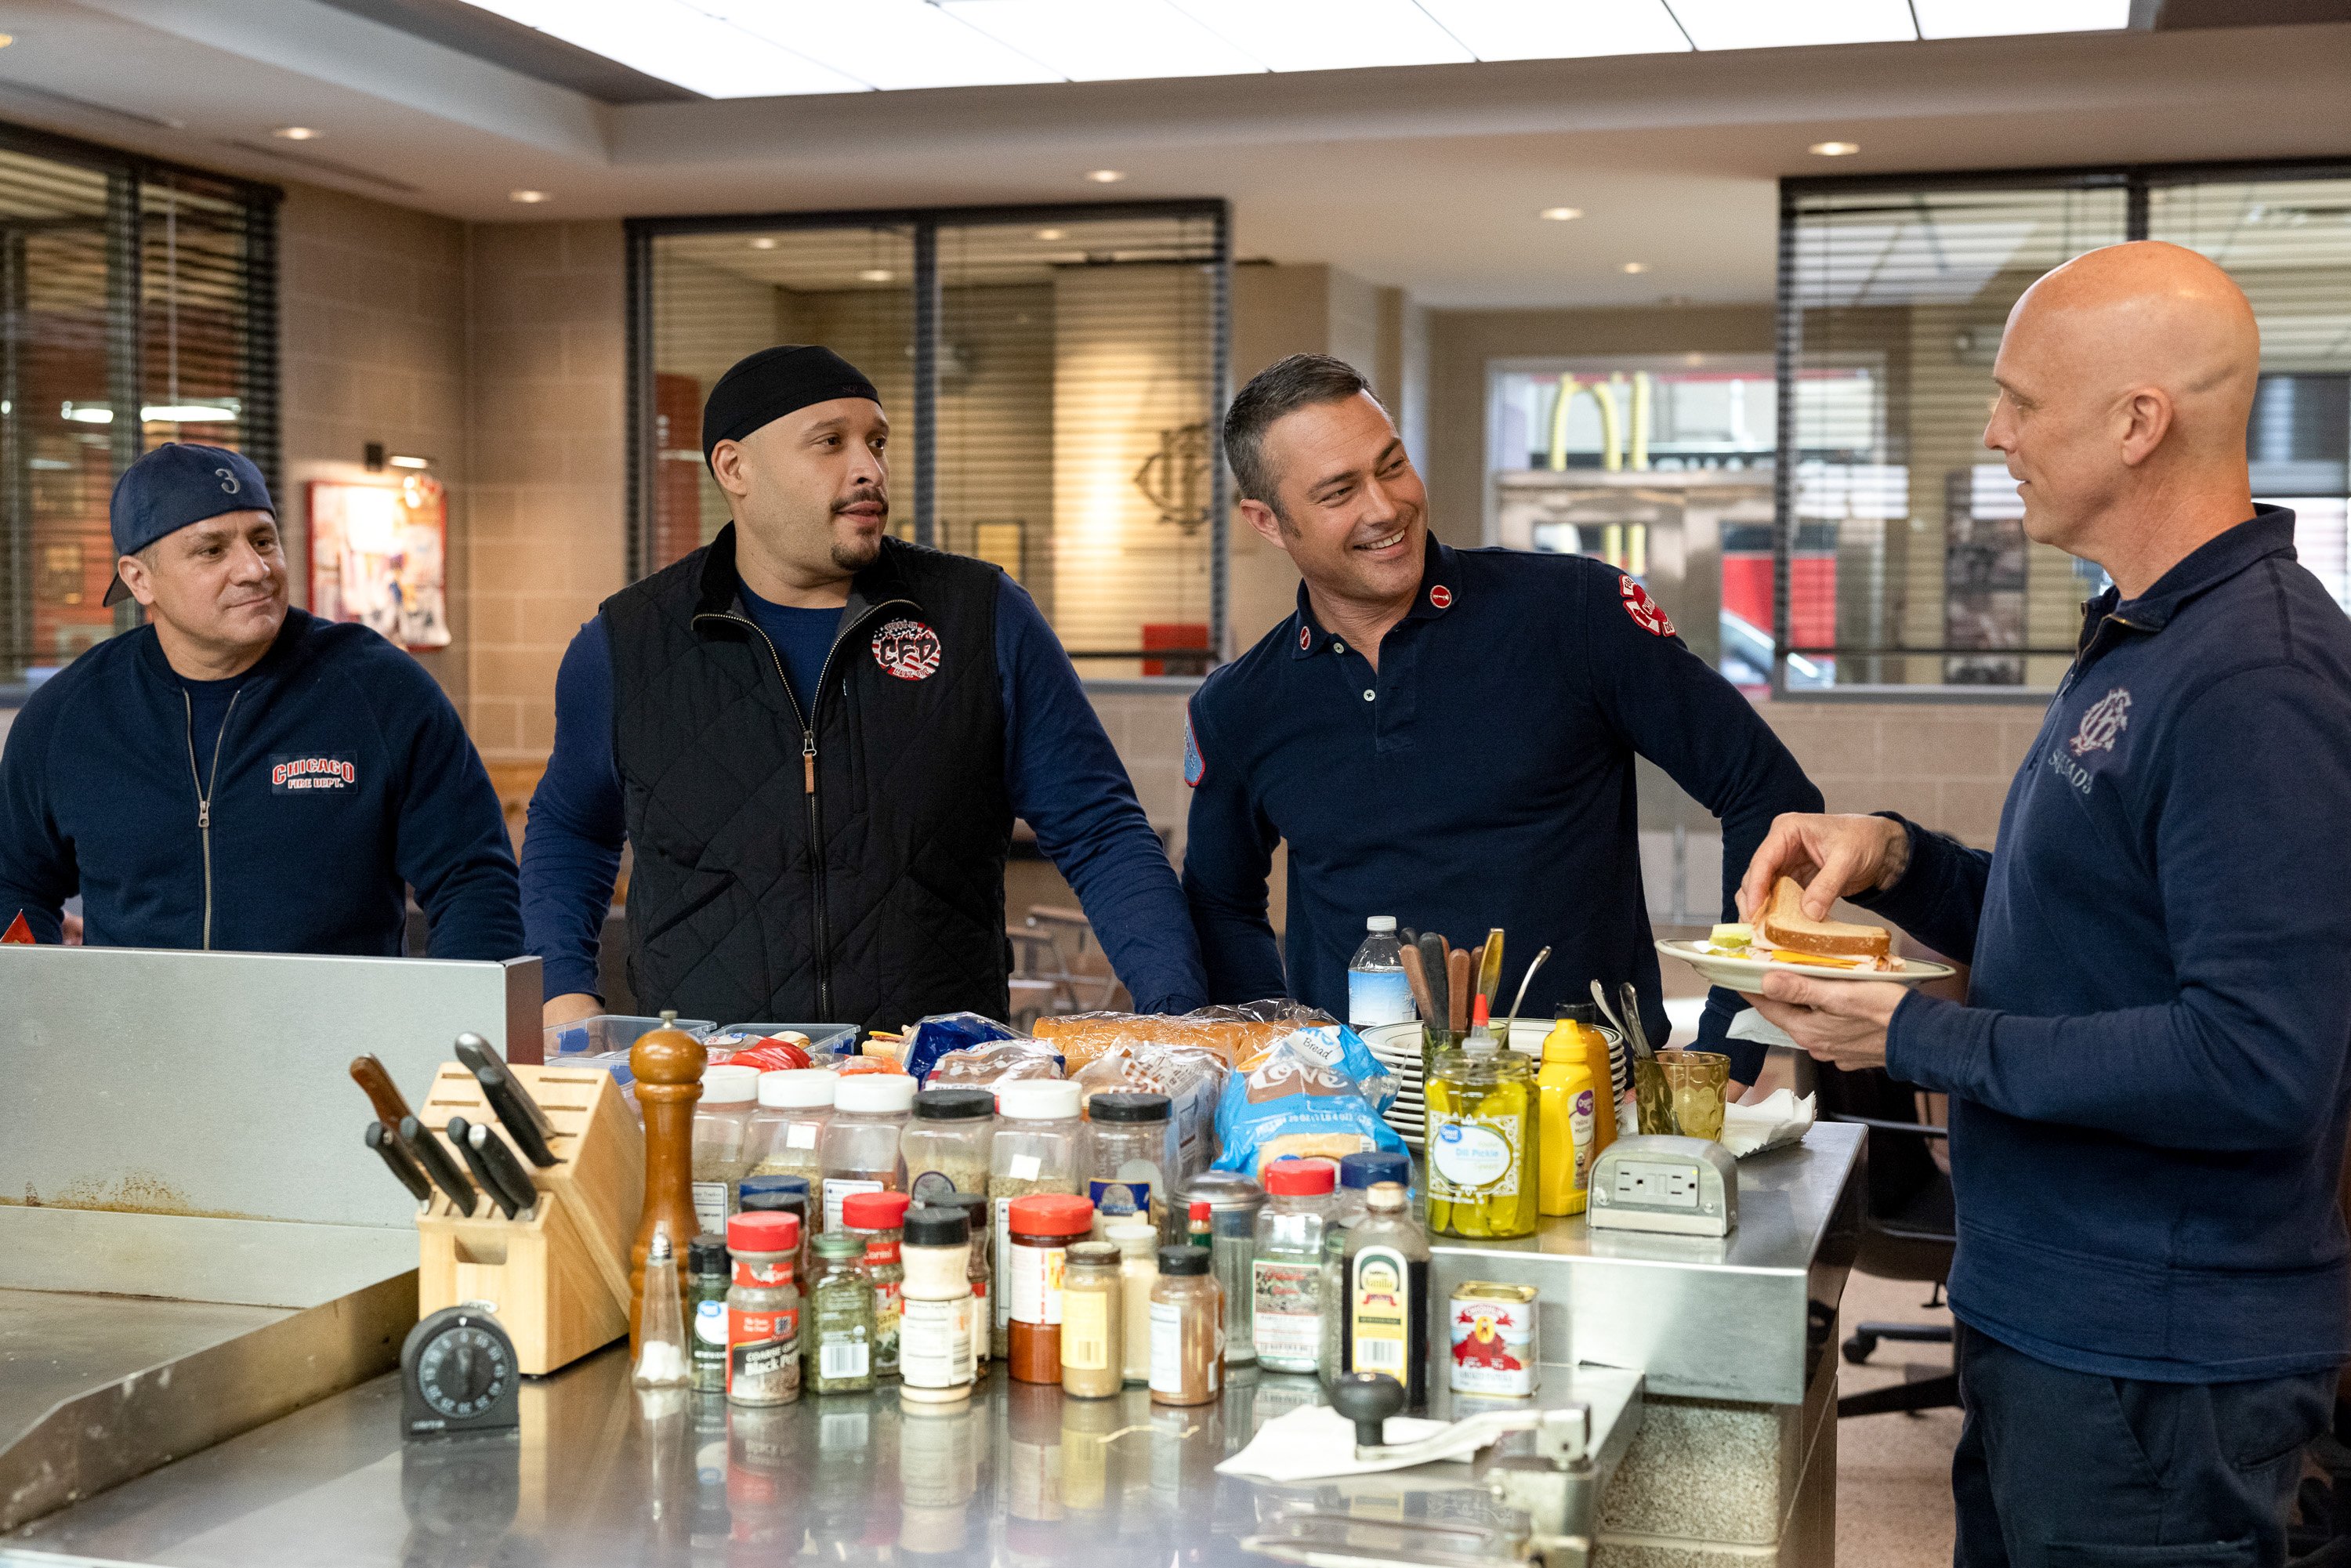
[
  {"x": 1456, "y": 988},
  {"x": 1416, "y": 977},
  {"x": 1431, "y": 964},
  {"x": 525, "y": 1122},
  {"x": 404, "y": 1169},
  {"x": 503, "y": 1166},
  {"x": 459, "y": 1134},
  {"x": 381, "y": 1092},
  {"x": 439, "y": 1167},
  {"x": 477, "y": 1052}
]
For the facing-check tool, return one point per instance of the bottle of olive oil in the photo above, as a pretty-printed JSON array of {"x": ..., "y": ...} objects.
[{"x": 1387, "y": 1311}]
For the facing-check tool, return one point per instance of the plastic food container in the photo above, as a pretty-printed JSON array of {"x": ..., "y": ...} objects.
[{"x": 601, "y": 1034}]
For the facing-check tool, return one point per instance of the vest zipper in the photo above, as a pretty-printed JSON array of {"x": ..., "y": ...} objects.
[
  {"x": 807, "y": 719},
  {"x": 204, "y": 793}
]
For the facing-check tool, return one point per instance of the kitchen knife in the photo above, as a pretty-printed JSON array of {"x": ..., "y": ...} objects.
[
  {"x": 458, "y": 1130},
  {"x": 1431, "y": 964},
  {"x": 521, "y": 1117},
  {"x": 507, "y": 1170},
  {"x": 1489, "y": 968},
  {"x": 439, "y": 1165},
  {"x": 1415, "y": 974},
  {"x": 1456, "y": 988},
  {"x": 385, "y": 1142},
  {"x": 480, "y": 1057},
  {"x": 381, "y": 1092}
]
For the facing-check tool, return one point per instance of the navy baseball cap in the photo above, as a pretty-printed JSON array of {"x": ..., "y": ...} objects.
[{"x": 180, "y": 483}]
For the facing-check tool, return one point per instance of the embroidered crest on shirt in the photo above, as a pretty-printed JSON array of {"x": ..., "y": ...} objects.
[
  {"x": 2102, "y": 723},
  {"x": 1440, "y": 596},
  {"x": 907, "y": 649},
  {"x": 1646, "y": 613},
  {"x": 290, "y": 774}
]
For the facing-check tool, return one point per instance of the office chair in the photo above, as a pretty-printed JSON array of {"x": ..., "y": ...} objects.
[{"x": 1907, "y": 1228}]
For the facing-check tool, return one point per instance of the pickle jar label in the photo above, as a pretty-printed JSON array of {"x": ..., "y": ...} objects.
[{"x": 1472, "y": 1158}]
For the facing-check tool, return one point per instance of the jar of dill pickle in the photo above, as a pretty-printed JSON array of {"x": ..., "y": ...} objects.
[{"x": 1482, "y": 1144}]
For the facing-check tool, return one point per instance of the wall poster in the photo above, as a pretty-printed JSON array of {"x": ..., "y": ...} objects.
[{"x": 379, "y": 554}]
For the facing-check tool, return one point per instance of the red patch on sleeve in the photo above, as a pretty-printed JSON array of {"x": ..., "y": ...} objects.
[
  {"x": 20, "y": 930},
  {"x": 1646, "y": 613}
]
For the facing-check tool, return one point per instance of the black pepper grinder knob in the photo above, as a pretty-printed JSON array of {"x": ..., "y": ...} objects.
[{"x": 1367, "y": 1399}]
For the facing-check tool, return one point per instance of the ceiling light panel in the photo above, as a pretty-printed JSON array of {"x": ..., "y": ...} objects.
[
  {"x": 2001, "y": 19},
  {"x": 1559, "y": 29},
  {"x": 676, "y": 43},
  {"x": 1786, "y": 24},
  {"x": 890, "y": 44},
  {"x": 1329, "y": 34},
  {"x": 1096, "y": 40}
]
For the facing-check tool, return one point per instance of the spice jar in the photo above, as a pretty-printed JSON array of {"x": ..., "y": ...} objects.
[
  {"x": 843, "y": 1297},
  {"x": 859, "y": 1143},
  {"x": 1128, "y": 1156},
  {"x": 763, "y": 1310},
  {"x": 1286, "y": 1265},
  {"x": 1042, "y": 1228},
  {"x": 721, "y": 1118},
  {"x": 794, "y": 1105},
  {"x": 936, "y": 1322},
  {"x": 1233, "y": 1201},
  {"x": 977, "y": 1270},
  {"x": 781, "y": 1195},
  {"x": 875, "y": 1218},
  {"x": 1187, "y": 1329},
  {"x": 1093, "y": 1322},
  {"x": 1138, "y": 1271},
  {"x": 706, "y": 1301},
  {"x": 945, "y": 1148},
  {"x": 1038, "y": 1141},
  {"x": 1482, "y": 1145}
]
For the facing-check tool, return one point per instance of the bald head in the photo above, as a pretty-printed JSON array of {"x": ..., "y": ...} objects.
[{"x": 2125, "y": 379}]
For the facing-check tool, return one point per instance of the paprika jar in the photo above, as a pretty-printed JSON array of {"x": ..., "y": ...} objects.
[{"x": 1042, "y": 1229}]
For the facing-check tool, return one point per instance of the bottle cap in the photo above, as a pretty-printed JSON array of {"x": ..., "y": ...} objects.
[
  {"x": 954, "y": 1105},
  {"x": 840, "y": 1244},
  {"x": 1101, "y": 1252},
  {"x": 1582, "y": 1012},
  {"x": 1360, "y": 1171},
  {"x": 1182, "y": 1260},
  {"x": 797, "y": 1088},
  {"x": 972, "y": 1206},
  {"x": 1201, "y": 1210},
  {"x": 763, "y": 1231},
  {"x": 1135, "y": 1237},
  {"x": 706, "y": 1255},
  {"x": 725, "y": 1085},
  {"x": 937, "y": 1226},
  {"x": 875, "y": 1210},
  {"x": 874, "y": 1093},
  {"x": 1296, "y": 1177},
  {"x": 1038, "y": 1099},
  {"x": 1119, "y": 1105},
  {"x": 1052, "y": 1214},
  {"x": 1380, "y": 923},
  {"x": 1384, "y": 1196},
  {"x": 1480, "y": 1014}
]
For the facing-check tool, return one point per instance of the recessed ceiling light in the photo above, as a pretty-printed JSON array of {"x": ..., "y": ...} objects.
[
  {"x": 6, "y": 39},
  {"x": 765, "y": 242},
  {"x": 1833, "y": 149},
  {"x": 1560, "y": 215},
  {"x": 295, "y": 134},
  {"x": 875, "y": 274},
  {"x": 1105, "y": 176},
  {"x": 1634, "y": 266},
  {"x": 527, "y": 198},
  {"x": 406, "y": 460},
  {"x": 1052, "y": 234}
]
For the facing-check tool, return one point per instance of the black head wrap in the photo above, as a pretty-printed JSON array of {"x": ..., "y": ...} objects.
[{"x": 773, "y": 382}]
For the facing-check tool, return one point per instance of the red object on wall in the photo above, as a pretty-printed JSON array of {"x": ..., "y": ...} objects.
[
  {"x": 1812, "y": 595},
  {"x": 677, "y": 470},
  {"x": 1187, "y": 642}
]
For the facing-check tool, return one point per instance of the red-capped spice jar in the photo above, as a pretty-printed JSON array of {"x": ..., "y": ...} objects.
[
  {"x": 763, "y": 1308},
  {"x": 879, "y": 1218},
  {"x": 1040, "y": 1228}
]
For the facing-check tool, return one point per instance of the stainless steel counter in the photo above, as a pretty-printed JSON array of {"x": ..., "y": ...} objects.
[{"x": 604, "y": 1474}]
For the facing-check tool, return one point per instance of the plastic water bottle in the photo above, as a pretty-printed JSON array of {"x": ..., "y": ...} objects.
[{"x": 1377, "y": 991}]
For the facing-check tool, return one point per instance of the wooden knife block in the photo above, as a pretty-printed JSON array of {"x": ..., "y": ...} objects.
[{"x": 559, "y": 1280}]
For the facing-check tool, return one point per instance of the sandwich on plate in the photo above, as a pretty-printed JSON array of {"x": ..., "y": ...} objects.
[{"x": 1783, "y": 934}]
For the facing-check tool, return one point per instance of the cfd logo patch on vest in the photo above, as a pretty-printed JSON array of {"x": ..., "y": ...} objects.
[
  {"x": 1646, "y": 613},
  {"x": 304, "y": 775},
  {"x": 907, "y": 649}
]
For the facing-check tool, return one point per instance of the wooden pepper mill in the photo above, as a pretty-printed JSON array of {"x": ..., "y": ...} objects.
[{"x": 668, "y": 1064}]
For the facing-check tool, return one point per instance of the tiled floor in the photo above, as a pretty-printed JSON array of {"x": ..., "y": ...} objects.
[{"x": 1893, "y": 1491}]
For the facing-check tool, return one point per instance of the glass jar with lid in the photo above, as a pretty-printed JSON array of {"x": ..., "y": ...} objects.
[
  {"x": 1038, "y": 1147},
  {"x": 840, "y": 1348},
  {"x": 1482, "y": 1107},
  {"x": 945, "y": 1148},
  {"x": 787, "y": 1128},
  {"x": 860, "y": 1145},
  {"x": 1128, "y": 1157},
  {"x": 722, "y": 1122},
  {"x": 1233, "y": 1202},
  {"x": 877, "y": 1218},
  {"x": 1188, "y": 1352},
  {"x": 978, "y": 1272},
  {"x": 1286, "y": 1268},
  {"x": 1093, "y": 1322}
]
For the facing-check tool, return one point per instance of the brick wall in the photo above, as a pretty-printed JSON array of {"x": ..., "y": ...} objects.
[{"x": 1944, "y": 764}]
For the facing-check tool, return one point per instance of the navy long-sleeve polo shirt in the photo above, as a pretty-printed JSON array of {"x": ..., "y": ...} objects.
[
  {"x": 2150, "y": 1077},
  {"x": 1482, "y": 777}
]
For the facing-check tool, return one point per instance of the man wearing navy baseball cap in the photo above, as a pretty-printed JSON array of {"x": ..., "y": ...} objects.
[{"x": 237, "y": 773}]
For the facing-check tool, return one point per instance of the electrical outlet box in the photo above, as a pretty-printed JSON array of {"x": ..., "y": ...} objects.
[{"x": 1685, "y": 1187}]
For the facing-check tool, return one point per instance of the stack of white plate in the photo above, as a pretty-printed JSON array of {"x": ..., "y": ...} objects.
[{"x": 1398, "y": 1047}]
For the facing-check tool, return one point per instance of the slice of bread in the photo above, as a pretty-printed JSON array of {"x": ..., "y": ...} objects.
[{"x": 1785, "y": 924}]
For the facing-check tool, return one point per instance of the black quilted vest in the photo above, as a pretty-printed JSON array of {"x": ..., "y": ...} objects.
[{"x": 847, "y": 871}]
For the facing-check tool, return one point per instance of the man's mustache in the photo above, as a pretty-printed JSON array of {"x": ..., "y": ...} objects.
[{"x": 862, "y": 498}]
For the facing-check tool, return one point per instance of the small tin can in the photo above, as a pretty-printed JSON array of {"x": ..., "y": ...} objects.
[{"x": 1494, "y": 1339}]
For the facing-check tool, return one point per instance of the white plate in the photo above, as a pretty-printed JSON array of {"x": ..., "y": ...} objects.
[{"x": 1746, "y": 973}]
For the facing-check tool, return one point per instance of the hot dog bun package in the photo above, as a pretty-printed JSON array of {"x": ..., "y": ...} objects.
[
  {"x": 1317, "y": 1092},
  {"x": 1233, "y": 1033}
]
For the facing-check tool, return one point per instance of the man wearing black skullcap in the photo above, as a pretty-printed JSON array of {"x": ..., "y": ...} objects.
[{"x": 815, "y": 739}]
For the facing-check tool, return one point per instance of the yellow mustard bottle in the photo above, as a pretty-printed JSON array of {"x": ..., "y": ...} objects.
[
  {"x": 1563, "y": 1127},
  {"x": 1578, "y": 1035}
]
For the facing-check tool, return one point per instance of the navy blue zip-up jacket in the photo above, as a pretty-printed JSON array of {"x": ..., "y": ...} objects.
[
  {"x": 344, "y": 772},
  {"x": 2148, "y": 1082},
  {"x": 1483, "y": 777}
]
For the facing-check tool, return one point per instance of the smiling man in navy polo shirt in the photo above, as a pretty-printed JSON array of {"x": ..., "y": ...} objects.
[{"x": 1445, "y": 736}]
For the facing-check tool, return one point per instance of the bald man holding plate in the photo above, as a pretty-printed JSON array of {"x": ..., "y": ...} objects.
[{"x": 2147, "y": 1079}]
